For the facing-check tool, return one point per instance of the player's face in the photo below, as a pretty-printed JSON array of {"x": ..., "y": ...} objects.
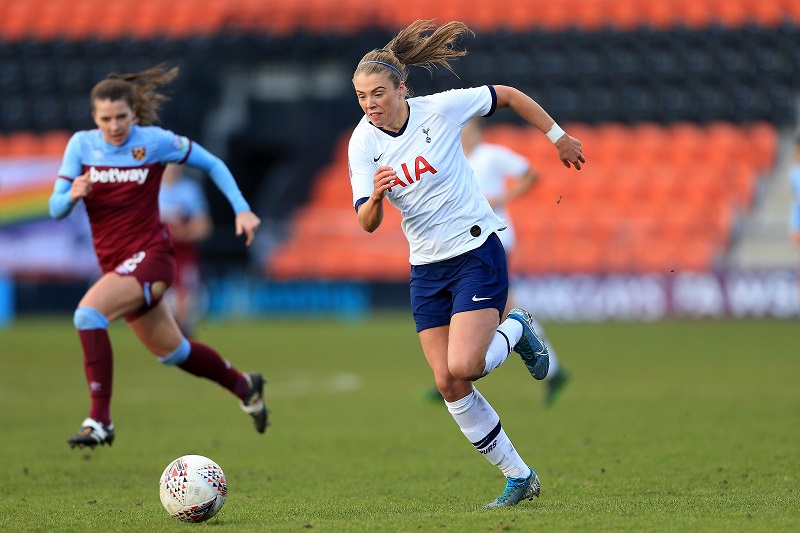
[
  {"x": 382, "y": 102},
  {"x": 114, "y": 118}
]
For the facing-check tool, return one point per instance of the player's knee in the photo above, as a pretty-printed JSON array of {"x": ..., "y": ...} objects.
[
  {"x": 179, "y": 355},
  {"x": 452, "y": 390},
  {"x": 465, "y": 370},
  {"x": 89, "y": 318}
]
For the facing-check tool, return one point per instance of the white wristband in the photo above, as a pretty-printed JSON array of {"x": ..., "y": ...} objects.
[{"x": 555, "y": 133}]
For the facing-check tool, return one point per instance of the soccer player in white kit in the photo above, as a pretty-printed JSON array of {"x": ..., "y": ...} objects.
[
  {"x": 408, "y": 151},
  {"x": 494, "y": 164}
]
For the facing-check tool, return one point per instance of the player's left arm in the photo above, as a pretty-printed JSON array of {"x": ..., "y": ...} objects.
[
  {"x": 569, "y": 148},
  {"x": 246, "y": 221}
]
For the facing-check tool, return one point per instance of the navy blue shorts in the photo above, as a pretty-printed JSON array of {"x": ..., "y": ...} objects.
[{"x": 477, "y": 279}]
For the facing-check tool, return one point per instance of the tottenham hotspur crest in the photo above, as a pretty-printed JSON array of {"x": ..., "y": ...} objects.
[
  {"x": 427, "y": 136},
  {"x": 138, "y": 152}
]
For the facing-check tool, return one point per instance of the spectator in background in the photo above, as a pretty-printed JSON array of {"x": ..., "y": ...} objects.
[
  {"x": 115, "y": 170},
  {"x": 408, "y": 151},
  {"x": 494, "y": 165},
  {"x": 794, "y": 214},
  {"x": 184, "y": 209}
]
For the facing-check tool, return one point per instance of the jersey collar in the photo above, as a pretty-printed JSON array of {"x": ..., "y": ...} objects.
[{"x": 400, "y": 132}]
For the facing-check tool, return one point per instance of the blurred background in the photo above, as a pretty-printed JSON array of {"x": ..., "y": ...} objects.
[{"x": 687, "y": 110}]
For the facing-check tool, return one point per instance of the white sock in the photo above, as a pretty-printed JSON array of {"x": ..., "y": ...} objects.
[
  {"x": 506, "y": 336},
  {"x": 481, "y": 425}
]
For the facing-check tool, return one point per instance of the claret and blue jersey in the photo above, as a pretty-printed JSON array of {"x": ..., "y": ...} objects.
[{"x": 123, "y": 204}]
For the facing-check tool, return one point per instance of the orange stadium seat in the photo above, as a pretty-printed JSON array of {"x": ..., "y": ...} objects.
[
  {"x": 791, "y": 9},
  {"x": 40, "y": 19},
  {"x": 589, "y": 256},
  {"x": 742, "y": 181},
  {"x": 23, "y": 144},
  {"x": 586, "y": 187},
  {"x": 693, "y": 13},
  {"x": 517, "y": 16},
  {"x": 29, "y": 144},
  {"x": 18, "y": 21},
  {"x": 732, "y": 14},
  {"x": 49, "y": 21},
  {"x": 626, "y": 15},
  {"x": 657, "y": 15},
  {"x": 696, "y": 255},
  {"x": 663, "y": 185},
  {"x": 617, "y": 260},
  {"x": 53, "y": 143},
  {"x": 591, "y": 15},
  {"x": 763, "y": 140},
  {"x": 116, "y": 20},
  {"x": 81, "y": 21},
  {"x": 629, "y": 186},
  {"x": 658, "y": 214}
]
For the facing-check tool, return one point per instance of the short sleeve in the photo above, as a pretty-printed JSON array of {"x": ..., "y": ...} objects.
[
  {"x": 71, "y": 165},
  {"x": 173, "y": 148},
  {"x": 461, "y": 105},
  {"x": 361, "y": 169}
]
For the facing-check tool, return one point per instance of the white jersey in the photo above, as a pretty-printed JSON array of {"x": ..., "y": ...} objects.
[
  {"x": 492, "y": 164},
  {"x": 443, "y": 211}
]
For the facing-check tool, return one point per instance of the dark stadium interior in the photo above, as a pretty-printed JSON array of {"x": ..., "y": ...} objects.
[{"x": 608, "y": 69}]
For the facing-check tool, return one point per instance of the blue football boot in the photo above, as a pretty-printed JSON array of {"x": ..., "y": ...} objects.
[
  {"x": 530, "y": 347},
  {"x": 517, "y": 489}
]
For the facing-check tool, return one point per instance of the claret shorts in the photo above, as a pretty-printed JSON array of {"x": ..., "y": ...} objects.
[{"x": 154, "y": 269}]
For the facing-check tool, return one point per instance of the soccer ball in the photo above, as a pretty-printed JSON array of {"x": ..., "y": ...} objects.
[{"x": 193, "y": 488}]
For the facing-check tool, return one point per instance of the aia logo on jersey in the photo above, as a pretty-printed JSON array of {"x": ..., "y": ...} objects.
[
  {"x": 138, "y": 152},
  {"x": 421, "y": 166}
]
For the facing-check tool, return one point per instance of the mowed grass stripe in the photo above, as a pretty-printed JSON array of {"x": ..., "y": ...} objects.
[{"x": 668, "y": 426}]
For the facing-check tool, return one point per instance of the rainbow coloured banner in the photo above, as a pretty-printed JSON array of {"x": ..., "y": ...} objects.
[
  {"x": 31, "y": 243},
  {"x": 25, "y": 187}
]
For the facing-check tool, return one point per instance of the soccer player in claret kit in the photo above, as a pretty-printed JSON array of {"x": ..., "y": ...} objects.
[
  {"x": 409, "y": 152},
  {"x": 116, "y": 171}
]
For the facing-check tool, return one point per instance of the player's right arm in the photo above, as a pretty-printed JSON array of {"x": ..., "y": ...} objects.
[
  {"x": 68, "y": 189},
  {"x": 368, "y": 181},
  {"x": 370, "y": 213}
]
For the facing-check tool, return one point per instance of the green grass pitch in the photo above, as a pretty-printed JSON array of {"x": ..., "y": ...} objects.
[{"x": 668, "y": 426}]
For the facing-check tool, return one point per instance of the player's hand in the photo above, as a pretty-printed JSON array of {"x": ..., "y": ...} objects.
[
  {"x": 569, "y": 151},
  {"x": 81, "y": 187},
  {"x": 247, "y": 223},
  {"x": 383, "y": 180}
]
